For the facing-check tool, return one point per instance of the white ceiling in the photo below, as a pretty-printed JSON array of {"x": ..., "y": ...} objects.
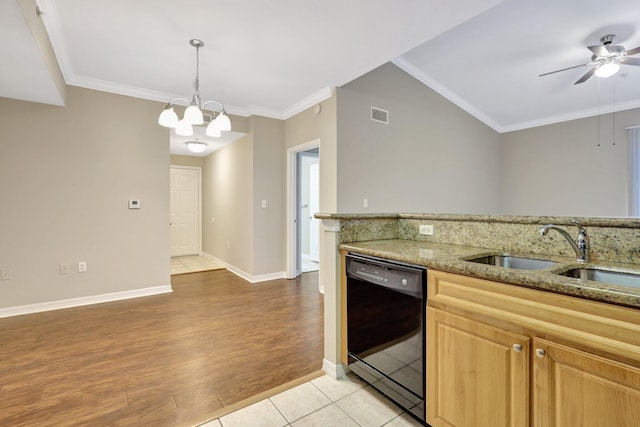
[
  {"x": 490, "y": 65},
  {"x": 277, "y": 58}
]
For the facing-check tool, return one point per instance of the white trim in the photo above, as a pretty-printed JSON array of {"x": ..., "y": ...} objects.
[
  {"x": 334, "y": 371},
  {"x": 308, "y": 102},
  {"x": 243, "y": 274},
  {"x": 420, "y": 75},
  {"x": 81, "y": 301},
  {"x": 290, "y": 268}
]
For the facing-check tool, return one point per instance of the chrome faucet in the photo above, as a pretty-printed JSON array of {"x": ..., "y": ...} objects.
[{"x": 581, "y": 246}]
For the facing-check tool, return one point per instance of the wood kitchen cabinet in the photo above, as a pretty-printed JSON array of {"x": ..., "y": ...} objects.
[
  {"x": 477, "y": 373},
  {"x": 506, "y": 355},
  {"x": 575, "y": 388}
]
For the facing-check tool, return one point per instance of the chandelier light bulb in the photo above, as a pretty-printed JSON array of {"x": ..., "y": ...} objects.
[
  {"x": 607, "y": 69},
  {"x": 193, "y": 115},
  {"x": 184, "y": 128},
  {"x": 223, "y": 122},
  {"x": 213, "y": 130},
  {"x": 168, "y": 118}
]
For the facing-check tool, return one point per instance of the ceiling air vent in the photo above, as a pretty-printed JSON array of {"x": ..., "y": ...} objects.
[{"x": 379, "y": 115}]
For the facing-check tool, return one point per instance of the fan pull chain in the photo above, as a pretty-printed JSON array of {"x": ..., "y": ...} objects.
[
  {"x": 599, "y": 117},
  {"x": 614, "y": 109}
]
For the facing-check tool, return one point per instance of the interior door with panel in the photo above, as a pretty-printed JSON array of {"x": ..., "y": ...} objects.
[{"x": 185, "y": 211}]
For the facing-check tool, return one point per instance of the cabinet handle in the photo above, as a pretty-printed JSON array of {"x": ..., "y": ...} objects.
[
  {"x": 540, "y": 353},
  {"x": 517, "y": 348}
]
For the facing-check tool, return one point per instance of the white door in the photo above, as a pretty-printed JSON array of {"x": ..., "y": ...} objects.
[
  {"x": 185, "y": 211},
  {"x": 314, "y": 201}
]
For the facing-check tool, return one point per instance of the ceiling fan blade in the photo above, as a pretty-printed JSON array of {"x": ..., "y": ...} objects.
[
  {"x": 634, "y": 51},
  {"x": 599, "y": 50},
  {"x": 564, "y": 69},
  {"x": 629, "y": 61},
  {"x": 586, "y": 76}
]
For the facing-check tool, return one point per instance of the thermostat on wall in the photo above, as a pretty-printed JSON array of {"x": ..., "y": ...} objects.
[{"x": 134, "y": 203}]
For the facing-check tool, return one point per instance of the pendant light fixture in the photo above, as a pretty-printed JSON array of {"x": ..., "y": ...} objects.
[{"x": 193, "y": 113}]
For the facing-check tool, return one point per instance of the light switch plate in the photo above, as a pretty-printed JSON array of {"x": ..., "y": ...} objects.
[{"x": 134, "y": 203}]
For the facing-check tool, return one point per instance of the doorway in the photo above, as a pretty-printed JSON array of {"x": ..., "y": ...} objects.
[
  {"x": 309, "y": 195},
  {"x": 303, "y": 199},
  {"x": 185, "y": 207}
]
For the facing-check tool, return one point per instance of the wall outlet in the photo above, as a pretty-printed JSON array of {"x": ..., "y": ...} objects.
[
  {"x": 365, "y": 203},
  {"x": 426, "y": 230},
  {"x": 5, "y": 274},
  {"x": 228, "y": 244},
  {"x": 82, "y": 267},
  {"x": 65, "y": 269}
]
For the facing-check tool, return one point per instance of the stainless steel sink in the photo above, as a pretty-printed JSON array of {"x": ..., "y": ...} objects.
[
  {"x": 519, "y": 263},
  {"x": 605, "y": 276}
]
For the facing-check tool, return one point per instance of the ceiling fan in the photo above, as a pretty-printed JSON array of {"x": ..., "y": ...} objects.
[{"x": 606, "y": 59}]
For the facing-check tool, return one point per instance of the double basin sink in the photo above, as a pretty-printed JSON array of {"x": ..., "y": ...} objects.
[{"x": 588, "y": 273}]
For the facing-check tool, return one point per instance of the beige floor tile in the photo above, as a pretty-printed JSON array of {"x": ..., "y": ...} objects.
[
  {"x": 336, "y": 389},
  {"x": 330, "y": 415},
  {"x": 179, "y": 270},
  {"x": 369, "y": 408},
  {"x": 261, "y": 414},
  {"x": 212, "y": 423},
  {"x": 300, "y": 401},
  {"x": 404, "y": 420}
]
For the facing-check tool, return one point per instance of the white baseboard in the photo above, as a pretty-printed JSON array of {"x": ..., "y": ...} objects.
[
  {"x": 246, "y": 276},
  {"x": 80, "y": 301},
  {"x": 333, "y": 370}
]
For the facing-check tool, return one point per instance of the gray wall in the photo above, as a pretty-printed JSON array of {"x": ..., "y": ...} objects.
[
  {"x": 268, "y": 184},
  {"x": 66, "y": 174},
  {"x": 236, "y": 179},
  {"x": 559, "y": 169},
  {"x": 308, "y": 126},
  {"x": 431, "y": 157},
  {"x": 227, "y": 180}
]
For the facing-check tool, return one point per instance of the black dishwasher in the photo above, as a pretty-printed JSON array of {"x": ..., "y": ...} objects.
[{"x": 386, "y": 303}]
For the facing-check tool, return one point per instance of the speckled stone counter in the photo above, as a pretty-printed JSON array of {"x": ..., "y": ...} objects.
[{"x": 452, "y": 258}]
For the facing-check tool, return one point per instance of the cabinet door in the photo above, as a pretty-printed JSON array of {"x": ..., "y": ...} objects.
[
  {"x": 575, "y": 388},
  {"x": 477, "y": 375}
]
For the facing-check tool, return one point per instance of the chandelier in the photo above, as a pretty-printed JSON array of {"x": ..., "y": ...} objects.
[{"x": 193, "y": 113}]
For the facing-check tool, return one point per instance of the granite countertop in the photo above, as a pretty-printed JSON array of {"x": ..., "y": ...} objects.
[{"x": 452, "y": 259}]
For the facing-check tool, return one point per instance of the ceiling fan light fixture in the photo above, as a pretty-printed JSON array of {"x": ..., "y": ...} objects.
[
  {"x": 607, "y": 69},
  {"x": 196, "y": 146}
]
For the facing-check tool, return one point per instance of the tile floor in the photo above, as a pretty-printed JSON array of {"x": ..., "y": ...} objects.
[
  {"x": 308, "y": 265},
  {"x": 322, "y": 402},
  {"x": 192, "y": 264}
]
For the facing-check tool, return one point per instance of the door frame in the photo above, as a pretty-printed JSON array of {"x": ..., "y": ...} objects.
[
  {"x": 292, "y": 205},
  {"x": 199, "y": 169}
]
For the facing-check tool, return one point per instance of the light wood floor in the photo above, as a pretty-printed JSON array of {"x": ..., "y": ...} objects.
[{"x": 163, "y": 360}]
